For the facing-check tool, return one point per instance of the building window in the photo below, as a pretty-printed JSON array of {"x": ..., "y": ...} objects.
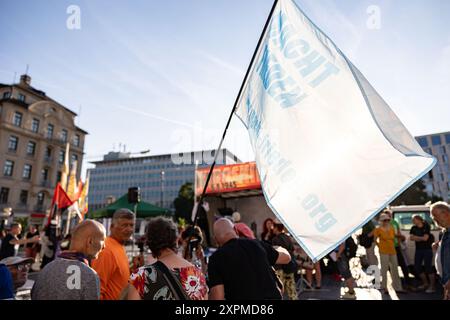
[
  {"x": 48, "y": 152},
  {"x": 7, "y": 95},
  {"x": 9, "y": 168},
  {"x": 436, "y": 140},
  {"x": 58, "y": 176},
  {"x": 40, "y": 198},
  {"x": 445, "y": 158},
  {"x": 26, "y": 172},
  {"x": 442, "y": 177},
  {"x": 4, "y": 192},
  {"x": 35, "y": 125},
  {"x": 50, "y": 129},
  {"x": 44, "y": 174},
  {"x": 12, "y": 143},
  {"x": 21, "y": 97},
  {"x": 73, "y": 158},
  {"x": 447, "y": 138},
  {"x": 23, "y": 198},
  {"x": 76, "y": 140},
  {"x": 62, "y": 155},
  {"x": 64, "y": 135},
  {"x": 31, "y": 148},
  {"x": 17, "y": 119}
]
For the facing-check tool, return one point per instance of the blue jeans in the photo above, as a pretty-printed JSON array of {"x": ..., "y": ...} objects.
[{"x": 423, "y": 256}]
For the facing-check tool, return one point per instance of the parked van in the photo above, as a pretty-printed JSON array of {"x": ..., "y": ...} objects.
[{"x": 403, "y": 215}]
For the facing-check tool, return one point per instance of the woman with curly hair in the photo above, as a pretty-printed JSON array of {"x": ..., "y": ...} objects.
[{"x": 171, "y": 277}]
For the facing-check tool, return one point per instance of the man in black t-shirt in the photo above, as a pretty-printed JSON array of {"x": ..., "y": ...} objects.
[
  {"x": 11, "y": 243},
  {"x": 241, "y": 269},
  {"x": 421, "y": 235}
]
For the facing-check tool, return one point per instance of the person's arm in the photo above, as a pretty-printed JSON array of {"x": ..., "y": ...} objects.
[
  {"x": 447, "y": 290},
  {"x": 398, "y": 234},
  {"x": 374, "y": 234},
  {"x": 217, "y": 292},
  {"x": 283, "y": 256},
  {"x": 132, "y": 293},
  {"x": 24, "y": 241}
]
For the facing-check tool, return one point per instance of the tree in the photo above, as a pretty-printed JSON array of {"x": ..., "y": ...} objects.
[
  {"x": 184, "y": 203},
  {"x": 415, "y": 195}
]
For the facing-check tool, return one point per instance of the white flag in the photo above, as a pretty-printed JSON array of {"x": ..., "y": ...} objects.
[{"x": 330, "y": 152}]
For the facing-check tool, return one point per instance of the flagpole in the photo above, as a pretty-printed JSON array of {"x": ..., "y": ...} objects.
[{"x": 234, "y": 108}]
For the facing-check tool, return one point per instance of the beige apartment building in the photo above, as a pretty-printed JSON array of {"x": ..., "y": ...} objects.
[{"x": 34, "y": 130}]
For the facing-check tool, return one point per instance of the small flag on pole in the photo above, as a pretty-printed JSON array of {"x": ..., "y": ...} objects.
[{"x": 330, "y": 152}]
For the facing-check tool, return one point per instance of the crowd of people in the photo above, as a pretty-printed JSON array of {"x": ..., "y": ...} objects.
[{"x": 243, "y": 267}]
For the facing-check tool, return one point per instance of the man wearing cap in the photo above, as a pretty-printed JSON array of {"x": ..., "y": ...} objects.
[
  {"x": 13, "y": 275},
  {"x": 11, "y": 243},
  {"x": 69, "y": 276}
]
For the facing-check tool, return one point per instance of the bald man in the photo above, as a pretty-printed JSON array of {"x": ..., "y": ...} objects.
[
  {"x": 440, "y": 212},
  {"x": 241, "y": 269},
  {"x": 69, "y": 276}
]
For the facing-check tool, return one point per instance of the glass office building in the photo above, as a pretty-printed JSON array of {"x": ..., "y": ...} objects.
[
  {"x": 437, "y": 181},
  {"x": 159, "y": 177}
]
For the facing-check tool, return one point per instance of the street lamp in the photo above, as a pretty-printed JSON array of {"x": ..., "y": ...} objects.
[{"x": 162, "y": 188}]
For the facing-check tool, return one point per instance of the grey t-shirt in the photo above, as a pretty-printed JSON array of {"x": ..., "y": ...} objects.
[{"x": 64, "y": 279}]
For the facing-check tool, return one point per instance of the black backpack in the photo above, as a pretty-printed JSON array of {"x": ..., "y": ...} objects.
[
  {"x": 364, "y": 240},
  {"x": 350, "y": 248}
]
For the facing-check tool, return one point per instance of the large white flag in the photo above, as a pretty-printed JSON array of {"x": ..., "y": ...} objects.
[{"x": 330, "y": 152}]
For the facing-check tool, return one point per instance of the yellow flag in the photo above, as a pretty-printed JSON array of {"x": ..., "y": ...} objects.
[
  {"x": 72, "y": 188},
  {"x": 83, "y": 201},
  {"x": 65, "y": 171}
]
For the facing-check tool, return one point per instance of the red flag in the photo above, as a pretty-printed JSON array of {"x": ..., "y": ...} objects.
[{"x": 60, "y": 200}]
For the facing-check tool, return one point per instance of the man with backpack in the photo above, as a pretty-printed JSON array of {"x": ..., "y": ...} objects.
[{"x": 367, "y": 242}]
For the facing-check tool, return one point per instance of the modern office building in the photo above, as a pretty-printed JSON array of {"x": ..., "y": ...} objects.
[
  {"x": 437, "y": 181},
  {"x": 34, "y": 130},
  {"x": 159, "y": 177}
]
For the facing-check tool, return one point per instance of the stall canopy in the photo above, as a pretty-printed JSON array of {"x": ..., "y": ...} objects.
[{"x": 144, "y": 209}]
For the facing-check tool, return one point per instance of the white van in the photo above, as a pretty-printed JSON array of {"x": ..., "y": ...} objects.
[{"x": 403, "y": 215}]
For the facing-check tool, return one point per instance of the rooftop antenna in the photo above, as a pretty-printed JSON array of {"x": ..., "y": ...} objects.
[
  {"x": 124, "y": 147},
  {"x": 26, "y": 70}
]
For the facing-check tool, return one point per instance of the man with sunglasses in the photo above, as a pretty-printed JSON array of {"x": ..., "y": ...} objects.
[{"x": 18, "y": 275}]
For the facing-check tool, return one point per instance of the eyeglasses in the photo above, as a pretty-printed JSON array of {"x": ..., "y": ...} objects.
[{"x": 23, "y": 267}]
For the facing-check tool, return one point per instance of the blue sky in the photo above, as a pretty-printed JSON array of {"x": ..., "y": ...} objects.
[{"x": 163, "y": 75}]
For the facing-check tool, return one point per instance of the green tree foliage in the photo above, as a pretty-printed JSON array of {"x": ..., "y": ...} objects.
[{"x": 415, "y": 195}]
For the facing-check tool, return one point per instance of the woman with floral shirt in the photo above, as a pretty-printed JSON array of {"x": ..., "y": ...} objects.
[{"x": 150, "y": 281}]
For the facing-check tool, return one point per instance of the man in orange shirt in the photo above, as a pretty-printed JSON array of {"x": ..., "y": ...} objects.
[{"x": 112, "y": 265}]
